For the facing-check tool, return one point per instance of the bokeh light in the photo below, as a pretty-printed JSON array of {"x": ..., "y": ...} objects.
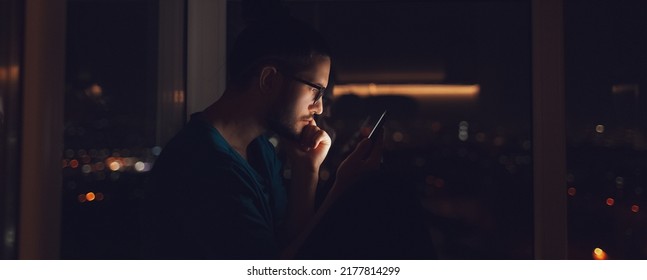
[
  {"x": 398, "y": 136},
  {"x": 139, "y": 166},
  {"x": 572, "y": 191},
  {"x": 463, "y": 133},
  {"x": 635, "y": 208},
  {"x": 90, "y": 196},
  {"x": 94, "y": 90},
  {"x": 599, "y": 128},
  {"x": 611, "y": 201},
  {"x": 114, "y": 165},
  {"x": 599, "y": 254},
  {"x": 86, "y": 168},
  {"x": 156, "y": 150}
]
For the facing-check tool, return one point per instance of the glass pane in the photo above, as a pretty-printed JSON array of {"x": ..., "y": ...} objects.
[
  {"x": 455, "y": 77},
  {"x": 606, "y": 70},
  {"x": 117, "y": 81}
]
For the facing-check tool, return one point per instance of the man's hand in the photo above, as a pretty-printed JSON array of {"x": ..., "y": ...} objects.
[
  {"x": 306, "y": 156},
  {"x": 312, "y": 148},
  {"x": 366, "y": 157}
]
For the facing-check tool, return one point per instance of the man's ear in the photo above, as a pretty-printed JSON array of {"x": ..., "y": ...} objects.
[{"x": 270, "y": 79}]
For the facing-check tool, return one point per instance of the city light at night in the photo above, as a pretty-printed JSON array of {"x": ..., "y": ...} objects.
[
  {"x": 610, "y": 201},
  {"x": 599, "y": 254},
  {"x": 90, "y": 196}
]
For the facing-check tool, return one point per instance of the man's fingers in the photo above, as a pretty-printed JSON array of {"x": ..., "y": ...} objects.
[
  {"x": 378, "y": 146},
  {"x": 307, "y": 136},
  {"x": 362, "y": 149},
  {"x": 319, "y": 137},
  {"x": 312, "y": 136}
]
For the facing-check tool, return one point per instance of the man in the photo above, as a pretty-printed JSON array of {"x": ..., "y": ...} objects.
[{"x": 217, "y": 190}]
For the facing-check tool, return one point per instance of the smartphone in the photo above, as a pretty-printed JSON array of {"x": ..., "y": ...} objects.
[{"x": 378, "y": 125}]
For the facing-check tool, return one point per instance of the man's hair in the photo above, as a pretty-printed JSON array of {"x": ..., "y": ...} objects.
[{"x": 272, "y": 37}]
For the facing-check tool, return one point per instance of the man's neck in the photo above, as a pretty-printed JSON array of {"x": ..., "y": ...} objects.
[{"x": 236, "y": 120}]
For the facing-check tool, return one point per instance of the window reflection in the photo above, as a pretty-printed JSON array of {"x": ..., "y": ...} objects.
[{"x": 606, "y": 69}]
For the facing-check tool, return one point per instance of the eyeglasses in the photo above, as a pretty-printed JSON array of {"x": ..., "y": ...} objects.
[{"x": 320, "y": 90}]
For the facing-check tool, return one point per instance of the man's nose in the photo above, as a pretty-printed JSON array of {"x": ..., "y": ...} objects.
[{"x": 317, "y": 107}]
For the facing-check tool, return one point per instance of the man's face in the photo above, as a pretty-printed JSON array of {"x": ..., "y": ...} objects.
[{"x": 296, "y": 106}]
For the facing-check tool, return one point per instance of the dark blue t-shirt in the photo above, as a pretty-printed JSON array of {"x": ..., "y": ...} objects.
[{"x": 206, "y": 202}]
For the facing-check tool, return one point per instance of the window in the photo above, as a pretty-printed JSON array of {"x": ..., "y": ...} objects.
[
  {"x": 124, "y": 99},
  {"x": 606, "y": 72}
]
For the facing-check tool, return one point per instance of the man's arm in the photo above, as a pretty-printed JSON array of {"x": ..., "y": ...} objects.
[
  {"x": 306, "y": 158},
  {"x": 364, "y": 158}
]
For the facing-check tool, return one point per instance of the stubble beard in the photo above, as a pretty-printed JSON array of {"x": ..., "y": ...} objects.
[{"x": 282, "y": 123}]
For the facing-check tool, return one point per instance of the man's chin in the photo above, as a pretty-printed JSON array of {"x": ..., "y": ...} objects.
[{"x": 286, "y": 132}]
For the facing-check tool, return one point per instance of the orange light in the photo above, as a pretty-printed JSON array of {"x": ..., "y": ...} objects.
[
  {"x": 9, "y": 73},
  {"x": 100, "y": 196},
  {"x": 610, "y": 201},
  {"x": 64, "y": 163},
  {"x": 599, "y": 254},
  {"x": 572, "y": 191},
  {"x": 90, "y": 196},
  {"x": 74, "y": 163},
  {"x": 421, "y": 90},
  {"x": 94, "y": 90},
  {"x": 82, "y": 198},
  {"x": 114, "y": 166},
  {"x": 113, "y": 163},
  {"x": 178, "y": 96},
  {"x": 635, "y": 208}
]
